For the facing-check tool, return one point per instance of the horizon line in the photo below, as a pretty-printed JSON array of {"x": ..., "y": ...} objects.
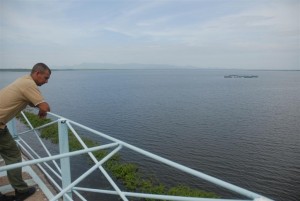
[{"x": 175, "y": 68}]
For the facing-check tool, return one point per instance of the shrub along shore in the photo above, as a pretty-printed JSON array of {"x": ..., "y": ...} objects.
[{"x": 126, "y": 173}]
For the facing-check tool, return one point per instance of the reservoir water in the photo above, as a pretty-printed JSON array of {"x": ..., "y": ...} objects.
[{"x": 245, "y": 131}]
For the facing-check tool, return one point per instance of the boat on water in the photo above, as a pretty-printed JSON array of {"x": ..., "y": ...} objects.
[
  {"x": 241, "y": 76},
  {"x": 39, "y": 167}
]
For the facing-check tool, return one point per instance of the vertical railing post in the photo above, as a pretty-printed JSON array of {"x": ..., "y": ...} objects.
[{"x": 64, "y": 162}]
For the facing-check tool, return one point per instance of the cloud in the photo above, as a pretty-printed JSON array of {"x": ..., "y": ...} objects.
[
  {"x": 171, "y": 32},
  {"x": 34, "y": 26}
]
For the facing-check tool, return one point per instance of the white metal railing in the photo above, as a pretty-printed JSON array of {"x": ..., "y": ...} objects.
[{"x": 69, "y": 187}]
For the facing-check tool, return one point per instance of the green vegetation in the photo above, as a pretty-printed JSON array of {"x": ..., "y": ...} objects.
[{"x": 126, "y": 173}]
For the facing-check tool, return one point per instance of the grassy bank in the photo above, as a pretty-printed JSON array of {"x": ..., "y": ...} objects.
[{"x": 126, "y": 173}]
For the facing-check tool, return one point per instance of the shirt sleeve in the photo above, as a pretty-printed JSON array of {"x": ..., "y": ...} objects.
[{"x": 33, "y": 95}]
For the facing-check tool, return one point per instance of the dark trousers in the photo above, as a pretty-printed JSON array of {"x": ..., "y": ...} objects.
[{"x": 11, "y": 154}]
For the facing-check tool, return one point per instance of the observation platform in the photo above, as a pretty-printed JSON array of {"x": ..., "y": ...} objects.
[
  {"x": 51, "y": 172},
  {"x": 33, "y": 177}
]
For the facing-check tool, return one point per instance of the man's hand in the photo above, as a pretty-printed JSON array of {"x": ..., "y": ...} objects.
[{"x": 43, "y": 109}]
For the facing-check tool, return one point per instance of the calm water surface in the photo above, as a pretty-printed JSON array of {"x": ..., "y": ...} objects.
[{"x": 244, "y": 131}]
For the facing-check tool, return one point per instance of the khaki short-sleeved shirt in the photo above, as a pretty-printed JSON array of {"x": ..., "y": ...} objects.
[{"x": 16, "y": 96}]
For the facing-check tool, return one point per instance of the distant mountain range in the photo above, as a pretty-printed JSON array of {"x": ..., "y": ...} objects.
[
  {"x": 121, "y": 66},
  {"x": 95, "y": 66}
]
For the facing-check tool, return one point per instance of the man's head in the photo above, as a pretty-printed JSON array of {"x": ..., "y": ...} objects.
[{"x": 40, "y": 73}]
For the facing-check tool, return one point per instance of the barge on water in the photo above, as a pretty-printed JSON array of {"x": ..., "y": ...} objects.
[{"x": 241, "y": 76}]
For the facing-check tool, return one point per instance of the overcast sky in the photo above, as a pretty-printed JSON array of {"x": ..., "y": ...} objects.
[{"x": 246, "y": 34}]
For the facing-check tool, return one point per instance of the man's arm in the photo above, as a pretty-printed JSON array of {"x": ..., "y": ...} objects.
[{"x": 43, "y": 109}]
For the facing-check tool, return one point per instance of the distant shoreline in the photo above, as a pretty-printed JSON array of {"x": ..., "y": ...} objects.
[{"x": 83, "y": 69}]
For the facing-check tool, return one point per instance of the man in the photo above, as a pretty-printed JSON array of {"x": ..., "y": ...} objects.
[{"x": 13, "y": 99}]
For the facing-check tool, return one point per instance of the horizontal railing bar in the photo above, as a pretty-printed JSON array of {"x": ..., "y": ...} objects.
[
  {"x": 54, "y": 157},
  {"x": 154, "y": 196}
]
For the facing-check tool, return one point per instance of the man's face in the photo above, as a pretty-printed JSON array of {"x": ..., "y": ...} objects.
[{"x": 42, "y": 77}]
